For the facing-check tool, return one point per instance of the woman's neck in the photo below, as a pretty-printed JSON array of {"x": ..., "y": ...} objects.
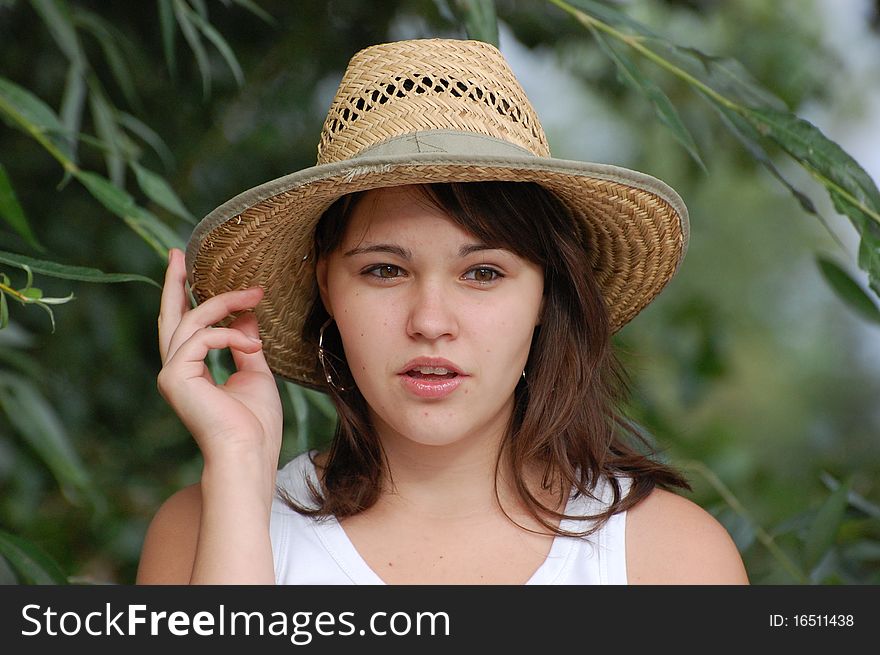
[
  {"x": 455, "y": 480},
  {"x": 443, "y": 480}
]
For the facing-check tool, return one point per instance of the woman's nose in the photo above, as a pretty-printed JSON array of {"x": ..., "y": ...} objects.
[{"x": 432, "y": 312}]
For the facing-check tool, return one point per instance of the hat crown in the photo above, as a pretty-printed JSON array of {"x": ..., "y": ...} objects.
[{"x": 393, "y": 89}]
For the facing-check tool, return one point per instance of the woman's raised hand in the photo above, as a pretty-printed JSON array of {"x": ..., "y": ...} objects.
[{"x": 242, "y": 416}]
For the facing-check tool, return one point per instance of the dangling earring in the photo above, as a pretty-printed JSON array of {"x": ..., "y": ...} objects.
[
  {"x": 524, "y": 376},
  {"x": 324, "y": 357}
]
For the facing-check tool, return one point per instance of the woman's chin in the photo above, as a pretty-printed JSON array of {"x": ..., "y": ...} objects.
[
  {"x": 440, "y": 423},
  {"x": 427, "y": 432},
  {"x": 431, "y": 427}
]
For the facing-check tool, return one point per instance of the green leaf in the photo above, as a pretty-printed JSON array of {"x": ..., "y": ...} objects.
[
  {"x": 825, "y": 526},
  {"x": 60, "y": 25},
  {"x": 148, "y": 135},
  {"x": 851, "y": 189},
  {"x": 44, "y": 300},
  {"x": 632, "y": 75},
  {"x": 749, "y": 137},
  {"x": 751, "y": 141},
  {"x": 159, "y": 191},
  {"x": 479, "y": 18},
  {"x": 300, "y": 413},
  {"x": 107, "y": 130},
  {"x": 158, "y": 235},
  {"x": 31, "y": 292},
  {"x": 183, "y": 12},
  {"x": 169, "y": 31},
  {"x": 117, "y": 200},
  {"x": 315, "y": 416},
  {"x": 611, "y": 16},
  {"x": 27, "y": 110},
  {"x": 849, "y": 290},
  {"x": 72, "y": 105},
  {"x": 155, "y": 232},
  {"x": 201, "y": 8},
  {"x": 725, "y": 75},
  {"x": 256, "y": 10},
  {"x": 12, "y": 212},
  {"x": 219, "y": 371},
  {"x": 4, "y": 311},
  {"x": 109, "y": 39},
  {"x": 809, "y": 145},
  {"x": 856, "y": 500},
  {"x": 82, "y": 273},
  {"x": 220, "y": 43},
  {"x": 832, "y": 166},
  {"x": 869, "y": 252},
  {"x": 36, "y": 422},
  {"x": 31, "y": 565},
  {"x": 49, "y": 311},
  {"x": 322, "y": 402},
  {"x": 30, "y": 275}
]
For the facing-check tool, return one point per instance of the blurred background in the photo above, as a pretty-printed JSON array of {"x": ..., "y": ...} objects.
[{"x": 752, "y": 373}]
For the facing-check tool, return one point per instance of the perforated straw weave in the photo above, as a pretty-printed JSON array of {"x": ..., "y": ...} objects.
[
  {"x": 422, "y": 111},
  {"x": 389, "y": 91}
]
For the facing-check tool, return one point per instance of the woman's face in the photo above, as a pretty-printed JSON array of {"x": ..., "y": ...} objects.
[{"x": 411, "y": 292}]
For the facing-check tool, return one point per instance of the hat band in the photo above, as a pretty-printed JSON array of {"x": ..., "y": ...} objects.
[{"x": 450, "y": 142}]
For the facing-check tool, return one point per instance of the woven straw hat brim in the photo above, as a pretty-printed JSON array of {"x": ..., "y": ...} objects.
[{"x": 637, "y": 225}]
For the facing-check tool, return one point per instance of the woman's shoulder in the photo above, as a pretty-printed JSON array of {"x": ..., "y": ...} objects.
[
  {"x": 170, "y": 543},
  {"x": 671, "y": 540}
]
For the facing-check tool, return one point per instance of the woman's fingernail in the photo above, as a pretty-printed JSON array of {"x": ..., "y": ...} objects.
[{"x": 255, "y": 339}]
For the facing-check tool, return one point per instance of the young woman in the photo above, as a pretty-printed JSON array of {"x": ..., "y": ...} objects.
[{"x": 454, "y": 289}]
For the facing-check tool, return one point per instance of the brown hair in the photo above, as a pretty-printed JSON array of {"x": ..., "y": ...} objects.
[{"x": 566, "y": 416}]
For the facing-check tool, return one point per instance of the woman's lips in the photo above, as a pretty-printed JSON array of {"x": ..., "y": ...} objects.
[
  {"x": 429, "y": 362},
  {"x": 430, "y": 386}
]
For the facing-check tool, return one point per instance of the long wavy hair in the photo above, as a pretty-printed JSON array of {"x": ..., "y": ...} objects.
[{"x": 567, "y": 415}]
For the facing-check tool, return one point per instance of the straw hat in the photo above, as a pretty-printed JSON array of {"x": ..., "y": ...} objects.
[{"x": 411, "y": 112}]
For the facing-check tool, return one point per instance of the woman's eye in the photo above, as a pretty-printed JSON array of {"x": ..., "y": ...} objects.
[
  {"x": 385, "y": 271},
  {"x": 483, "y": 275}
]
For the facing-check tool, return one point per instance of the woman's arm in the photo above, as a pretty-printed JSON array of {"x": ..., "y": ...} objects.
[
  {"x": 231, "y": 547},
  {"x": 670, "y": 540},
  {"x": 216, "y": 532}
]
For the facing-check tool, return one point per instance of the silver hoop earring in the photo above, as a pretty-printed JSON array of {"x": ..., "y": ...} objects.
[{"x": 324, "y": 356}]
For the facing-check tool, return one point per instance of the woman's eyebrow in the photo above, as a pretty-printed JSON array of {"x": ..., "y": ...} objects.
[
  {"x": 380, "y": 247},
  {"x": 405, "y": 253},
  {"x": 468, "y": 248}
]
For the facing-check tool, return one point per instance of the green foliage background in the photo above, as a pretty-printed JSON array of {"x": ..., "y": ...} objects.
[{"x": 754, "y": 373}]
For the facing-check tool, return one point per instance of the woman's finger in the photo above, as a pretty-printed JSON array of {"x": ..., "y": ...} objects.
[
  {"x": 174, "y": 302},
  {"x": 246, "y": 360},
  {"x": 188, "y": 361},
  {"x": 211, "y": 312}
]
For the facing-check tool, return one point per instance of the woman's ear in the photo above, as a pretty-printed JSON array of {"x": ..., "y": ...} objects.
[{"x": 321, "y": 277}]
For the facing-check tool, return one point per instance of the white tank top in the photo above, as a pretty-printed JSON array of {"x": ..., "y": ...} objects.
[{"x": 318, "y": 551}]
